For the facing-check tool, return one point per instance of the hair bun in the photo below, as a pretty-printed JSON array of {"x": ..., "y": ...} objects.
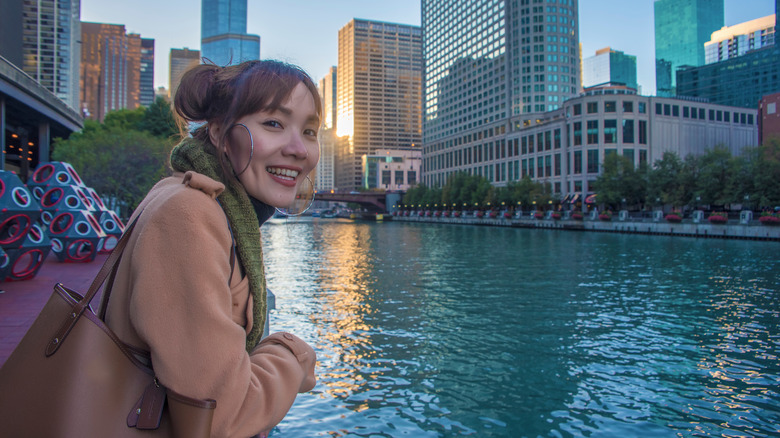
[{"x": 194, "y": 92}]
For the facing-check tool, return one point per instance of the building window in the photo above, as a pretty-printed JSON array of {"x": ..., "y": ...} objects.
[
  {"x": 642, "y": 158},
  {"x": 577, "y": 128},
  {"x": 659, "y": 109},
  {"x": 675, "y": 111},
  {"x": 628, "y": 106},
  {"x": 548, "y": 165},
  {"x": 557, "y": 139},
  {"x": 667, "y": 110},
  {"x": 701, "y": 113},
  {"x": 610, "y": 131},
  {"x": 386, "y": 178},
  {"x": 629, "y": 153},
  {"x": 686, "y": 113},
  {"x": 593, "y": 161},
  {"x": 643, "y": 132},
  {"x": 531, "y": 167},
  {"x": 593, "y": 107},
  {"x": 610, "y": 106},
  {"x": 712, "y": 115},
  {"x": 557, "y": 165},
  {"x": 593, "y": 131},
  {"x": 523, "y": 145},
  {"x": 547, "y": 141},
  {"x": 399, "y": 177},
  {"x": 726, "y": 116},
  {"x": 577, "y": 162},
  {"x": 628, "y": 131},
  {"x": 642, "y": 107},
  {"x": 411, "y": 177},
  {"x": 540, "y": 168},
  {"x": 577, "y": 109},
  {"x": 531, "y": 144},
  {"x": 525, "y": 168}
]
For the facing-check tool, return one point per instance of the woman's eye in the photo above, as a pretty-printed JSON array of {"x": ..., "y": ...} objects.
[
  {"x": 310, "y": 132},
  {"x": 273, "y": 124}
]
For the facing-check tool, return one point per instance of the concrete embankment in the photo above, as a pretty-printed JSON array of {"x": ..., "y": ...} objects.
[{"x": 754, "y": 230}]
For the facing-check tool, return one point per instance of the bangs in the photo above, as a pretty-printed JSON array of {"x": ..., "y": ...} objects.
[{"x": 266, "y": 89}]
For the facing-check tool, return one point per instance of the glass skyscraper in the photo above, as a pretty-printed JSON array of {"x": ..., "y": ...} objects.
[
  {"x": 492, "y": 67},
  {"x": 609, "y": 67},
  {"x": 146, "y": 96},
  {"x": 739, "y": 80},
  {"x": 223, "y": 37},
  {"x": 681, "y": 29},
  {"x": 51, "y": 46}
]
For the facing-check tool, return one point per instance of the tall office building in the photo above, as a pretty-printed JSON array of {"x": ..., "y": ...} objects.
[
  {"x": 379, "y": 90},
  {"x": 50, "y": 34},
  {"x": 133, "y": 70},
  {"x": 110, "y": 69},
  {"x": 179, "y": 61},
  {"x": 491, "y": 67},
  {"x": 738, "y": 81},
  {"x": 146, "y": 96},
  {"x": 223, "y": 37},
  {"x": 609, "y": 66},
  {"x": 732, "y": 41},
  {"x": 682, "y": 27},
  {"x": 325, "y": 172}
]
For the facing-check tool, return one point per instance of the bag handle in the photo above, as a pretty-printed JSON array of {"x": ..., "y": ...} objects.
[{"x": 79, "y": 307}]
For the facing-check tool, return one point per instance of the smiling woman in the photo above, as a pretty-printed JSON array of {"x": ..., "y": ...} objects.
[{"x": 190, "y": 289}]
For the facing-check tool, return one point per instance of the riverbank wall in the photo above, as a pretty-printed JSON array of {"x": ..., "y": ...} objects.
[{"x": 753, "y": 230}]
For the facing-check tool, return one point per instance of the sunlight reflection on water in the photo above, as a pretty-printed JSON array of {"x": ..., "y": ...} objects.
[{"x": 428, "y": 331}]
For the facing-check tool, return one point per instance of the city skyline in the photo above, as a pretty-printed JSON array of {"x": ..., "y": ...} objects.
[{"x": 630, "y": 27}]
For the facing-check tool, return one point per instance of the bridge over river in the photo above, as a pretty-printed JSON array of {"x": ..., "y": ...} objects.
[{"x": 374, "y": 202}]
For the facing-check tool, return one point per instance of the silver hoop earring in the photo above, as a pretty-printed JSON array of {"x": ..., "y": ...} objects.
[
  {"x": 251, "y": 151},
  {"x": 301, "y": 203}
]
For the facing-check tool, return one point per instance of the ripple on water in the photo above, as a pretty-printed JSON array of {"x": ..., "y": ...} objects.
[{"x": 456, "y": 331}]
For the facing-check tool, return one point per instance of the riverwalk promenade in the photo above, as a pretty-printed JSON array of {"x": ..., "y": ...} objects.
[
  {"x": 22, "y": 301},
  {"x": 619, "y": 223}
]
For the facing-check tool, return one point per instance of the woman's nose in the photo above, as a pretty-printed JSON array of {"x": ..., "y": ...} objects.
[{"x": 296, "y": 146}]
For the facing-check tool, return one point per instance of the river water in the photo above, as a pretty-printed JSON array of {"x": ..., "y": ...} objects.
[{"x": 431, "y": 330}]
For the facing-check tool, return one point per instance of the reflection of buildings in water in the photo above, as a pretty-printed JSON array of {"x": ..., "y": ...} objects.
[
  {"x": 349, "y": 276},
  {"x": 345, "y": 276},
  {"x": 737, "y": 310}
]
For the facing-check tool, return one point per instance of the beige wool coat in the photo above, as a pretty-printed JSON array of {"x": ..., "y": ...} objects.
[{"x": 175, "y": 296}]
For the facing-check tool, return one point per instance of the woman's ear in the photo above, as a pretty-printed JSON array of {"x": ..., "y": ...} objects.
[{"x": 214, "y": 133}]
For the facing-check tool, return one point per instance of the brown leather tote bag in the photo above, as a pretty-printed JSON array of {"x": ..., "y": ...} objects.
[{"x": 71, "y": 376}]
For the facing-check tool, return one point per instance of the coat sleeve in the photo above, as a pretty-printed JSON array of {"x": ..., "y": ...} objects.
[{"x": 181, "y": 307}]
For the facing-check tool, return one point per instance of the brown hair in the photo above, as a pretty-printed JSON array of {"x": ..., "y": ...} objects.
[{"x": 222, "y": 95}]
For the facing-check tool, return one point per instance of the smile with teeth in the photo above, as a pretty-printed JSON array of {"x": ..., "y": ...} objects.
[{"x": 282, "y": 173}]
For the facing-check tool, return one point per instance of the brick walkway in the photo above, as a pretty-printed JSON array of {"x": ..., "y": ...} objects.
[{"x": 21, "y": 301}]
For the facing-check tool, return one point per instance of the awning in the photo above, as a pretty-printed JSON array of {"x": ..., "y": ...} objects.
[
  {"x": 567, "y": 198},
  {"x": 575, "y": 198},
  {"x": 591, "y": 199}
]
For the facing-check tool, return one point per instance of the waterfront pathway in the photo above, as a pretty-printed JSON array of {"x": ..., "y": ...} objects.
[
  {"x": 753, "y": 230},
  {"x": 21, "y": 301}
]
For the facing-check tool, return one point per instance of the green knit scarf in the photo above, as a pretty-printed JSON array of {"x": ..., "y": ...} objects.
[{"x": 193, "y": 154}]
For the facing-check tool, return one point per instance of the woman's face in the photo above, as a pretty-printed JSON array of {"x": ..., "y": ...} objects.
[{"x": 285, "y": 149}]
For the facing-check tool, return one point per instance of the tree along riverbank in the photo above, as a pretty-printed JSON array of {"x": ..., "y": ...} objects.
[{"x": 743, "y": 228}]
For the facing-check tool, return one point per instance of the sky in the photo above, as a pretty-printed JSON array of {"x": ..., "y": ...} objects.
[{"x": 305, "y": 32}]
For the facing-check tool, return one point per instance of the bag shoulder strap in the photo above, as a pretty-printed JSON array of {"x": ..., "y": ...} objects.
[{"x": 78, "y": 308}]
